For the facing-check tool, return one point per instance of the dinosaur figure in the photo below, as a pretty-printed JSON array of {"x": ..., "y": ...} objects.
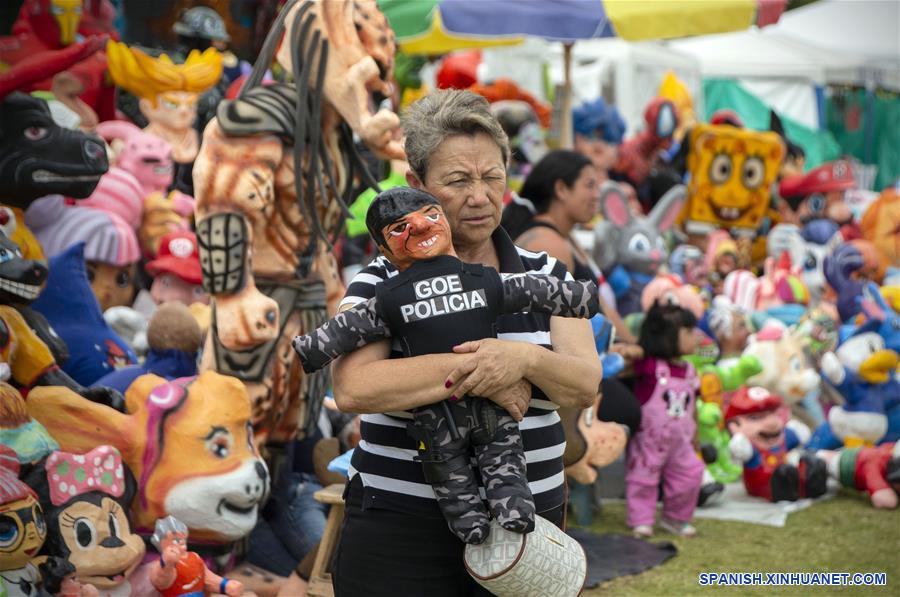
[{"x": 273, "y": 170}]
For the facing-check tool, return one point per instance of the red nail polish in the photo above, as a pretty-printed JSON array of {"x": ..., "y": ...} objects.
[
  {"x": 454, "y": 398},
  {"x": 448, "y": 383}
]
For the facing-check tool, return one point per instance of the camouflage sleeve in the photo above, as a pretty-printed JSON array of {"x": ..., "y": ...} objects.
[
  {"x": 548, "y": 294},
  {"x": 343, "y": 333}
]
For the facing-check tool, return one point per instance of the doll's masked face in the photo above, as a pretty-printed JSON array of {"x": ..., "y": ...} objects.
[
  {"x": 22, "y": 532},
  {"x": 175, "y": 110},
  {"x": 100, "y": 542},
  {"x": 418, "y": 235}
]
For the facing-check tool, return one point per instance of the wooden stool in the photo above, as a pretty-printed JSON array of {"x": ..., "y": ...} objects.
[{"x": 320, "y": 580}]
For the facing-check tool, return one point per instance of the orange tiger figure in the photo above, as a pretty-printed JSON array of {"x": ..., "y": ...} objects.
[{"x": 188, "y": 443}]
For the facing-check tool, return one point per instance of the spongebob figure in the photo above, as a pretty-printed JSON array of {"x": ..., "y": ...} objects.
[{"x": 732, "y": 171}]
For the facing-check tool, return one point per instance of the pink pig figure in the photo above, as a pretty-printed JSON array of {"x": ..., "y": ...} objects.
[{"x": 147, "y": 157}]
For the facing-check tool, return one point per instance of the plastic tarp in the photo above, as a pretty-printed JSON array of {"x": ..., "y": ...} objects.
[
  {"x": 820, "y": 146},
  {"x": 868, "y": 128}
]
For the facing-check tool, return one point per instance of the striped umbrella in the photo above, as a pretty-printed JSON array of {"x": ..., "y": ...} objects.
[{"x": 440, "y": 26}]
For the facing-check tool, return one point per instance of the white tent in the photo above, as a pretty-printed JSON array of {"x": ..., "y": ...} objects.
[
  {"x": 865, "y": 29},
  {"x": 626, "y": 74},
  {"x": 783, "y": 71}
]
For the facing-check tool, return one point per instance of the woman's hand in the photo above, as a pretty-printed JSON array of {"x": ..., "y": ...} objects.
[
  {"x": 629, "y": 352},
  {"x": 514, "y": 398},
  {"x": 495, "y": 366}
]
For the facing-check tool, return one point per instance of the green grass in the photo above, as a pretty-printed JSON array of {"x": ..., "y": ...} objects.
[{"x": 844, "y": 534}]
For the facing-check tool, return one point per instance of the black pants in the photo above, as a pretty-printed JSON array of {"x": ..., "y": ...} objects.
[
  {"x": 382, "y": 552},
  {"x": 619, "y": 405}
]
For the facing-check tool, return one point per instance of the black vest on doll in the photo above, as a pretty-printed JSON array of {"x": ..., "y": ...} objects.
[{"x": 439, "y": 303}]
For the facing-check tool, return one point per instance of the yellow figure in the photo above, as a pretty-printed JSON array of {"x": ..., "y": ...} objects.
[
  {"x": 67, "y": 14},
  {"x": 168, "y": 92},
  {"x": 673, "y": 89},
  {"x": 731, "y": 172}
]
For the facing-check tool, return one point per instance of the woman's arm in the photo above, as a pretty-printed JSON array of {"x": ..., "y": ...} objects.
[
  {"x": 367, "y": 381},
  {"x": 542, "y": 239},
  {"x": 569, "y": 374}
]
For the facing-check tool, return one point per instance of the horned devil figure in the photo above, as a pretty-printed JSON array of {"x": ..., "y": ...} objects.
[
  {"x": 269, "y": 181},
  {"x": 434, "y": 304}
]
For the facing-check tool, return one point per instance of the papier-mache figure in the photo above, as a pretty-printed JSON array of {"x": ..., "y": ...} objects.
[
  {"x": 731, "y": 172},
  {"x": 168, "y": 95},
  {"x": 23, "y": 529},
  {"x": 182, "y": 572},
  {"x": 86, "y": 498},
  {"x": 59, "y": 579},
  {"x": 761, "y": 439},
  {"x": 875, "y": 470},
  {"x": 434, "y": 304}
]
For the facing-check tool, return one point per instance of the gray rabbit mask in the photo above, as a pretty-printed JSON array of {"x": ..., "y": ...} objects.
[{"x": 634, "y": 241}]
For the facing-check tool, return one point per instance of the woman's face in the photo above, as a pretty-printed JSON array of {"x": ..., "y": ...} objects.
[
  {"x": 583, "y": 197},
  {"x": 467, "y": 175}
]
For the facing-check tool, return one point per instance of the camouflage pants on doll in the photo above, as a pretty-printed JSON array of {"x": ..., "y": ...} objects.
[{"x": 490, "y": 435}]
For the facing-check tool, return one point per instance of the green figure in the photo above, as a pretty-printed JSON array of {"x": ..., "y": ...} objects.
[{"x": 715, "y": 379}]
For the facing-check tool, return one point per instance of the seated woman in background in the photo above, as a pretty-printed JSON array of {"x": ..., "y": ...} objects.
[{"x": 560, "y": 192}]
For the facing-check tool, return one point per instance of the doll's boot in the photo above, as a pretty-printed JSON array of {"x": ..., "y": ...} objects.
[
  {"x": 785, "y": 483},
  {"x": 446, "y": 466},
  {"x": 814, "y": 474},
  {"x": 503, "y": 472}
]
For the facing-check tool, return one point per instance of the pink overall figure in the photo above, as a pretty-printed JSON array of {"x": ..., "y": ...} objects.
[{"x": 664, "y": 448}]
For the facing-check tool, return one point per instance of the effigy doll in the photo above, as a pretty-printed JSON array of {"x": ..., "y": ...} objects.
[
  {"x": 434, "y": 304},
  {"x": 168, "y": 95}
]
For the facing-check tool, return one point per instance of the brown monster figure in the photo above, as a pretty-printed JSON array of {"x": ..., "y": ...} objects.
[{"x": 270, "y": 179}]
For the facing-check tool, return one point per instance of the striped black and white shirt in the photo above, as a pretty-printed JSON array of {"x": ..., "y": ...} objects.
[{"x": 384, "y": 458}]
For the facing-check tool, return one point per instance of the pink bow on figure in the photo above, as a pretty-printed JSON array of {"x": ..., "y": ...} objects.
[{"x": 69, "y": 474}]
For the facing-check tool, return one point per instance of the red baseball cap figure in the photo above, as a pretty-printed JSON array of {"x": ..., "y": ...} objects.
[
  {"x": 761, "y": 440},
  {"x": 176, "y": 270},
  {"x": 819, "y": 193}
]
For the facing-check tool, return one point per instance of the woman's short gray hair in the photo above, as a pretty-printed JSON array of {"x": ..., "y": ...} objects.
[{"x": 430, "y": 120}]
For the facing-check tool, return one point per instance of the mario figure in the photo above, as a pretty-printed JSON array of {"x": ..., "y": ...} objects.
[
  {"x": 817, "y": 194},
  {"x": 176, "y": 270},
  {"x": 180, "y": 572},
  {"x": 761, "y": 440}
]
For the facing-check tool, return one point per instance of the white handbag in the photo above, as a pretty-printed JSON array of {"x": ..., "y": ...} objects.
[{"x": 543, "y": 563}]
